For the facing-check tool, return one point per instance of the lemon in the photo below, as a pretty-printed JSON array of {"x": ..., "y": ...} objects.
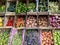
[{"x": 1, "y": 24}]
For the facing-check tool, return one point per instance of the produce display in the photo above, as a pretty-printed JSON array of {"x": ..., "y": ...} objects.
[
  {"x": 12, "y": 7},
  {"x": 2, "y": 5},
  {"x": 47, "y": 38},
  {"x": 20, "y": 22},
  {"x": 10, "y": 21},
  {"x": 43, "y": 5},
  {"x": 21, "y": 8},
  {"x": 1, "y": 21},
  {"x": 31, "y": 21},
  {"x": 28, "y": 29},
  {"x": 56, "y": 37},
  {"x": 31, "y": 7},
  {"x": 31, "y": 37},
  {"x": 55, "y": 21},
  {"x": 17, "y": 40},
  {"x": 42, "y": 21},
  {"x": 53, "y": 7},
  {"x": 4, "y": 37}
]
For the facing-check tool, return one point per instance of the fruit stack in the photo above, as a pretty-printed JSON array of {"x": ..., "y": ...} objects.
[
  {"x": 55, "y": 21},
  {"x": 17, "y": 40},
  {"x": 42, "y": 21},
  {"x": 10, "y": 21},
  {"x": 31, "y": 21},
  {"x": 32, "y": 37},
  {"x": 47, "y": 38},
  {"x": 4, "y": 37},
  {"x": 20, "y": 22},
  {"x": 1, "y": 21},
  {"x": 56, "y": 37}
]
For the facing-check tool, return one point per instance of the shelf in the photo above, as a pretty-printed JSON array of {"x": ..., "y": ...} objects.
[
  {"x": 21, "y": 14},
  {"x": 32, "y": 13},
  {"x": 10, "y": 14},
  {"x": 20, "y": 28},
  {"x": 54, "y": 14},
  {"x": 45, "y": 28},
  {"x": 43, "y": 13},
  {"x": 32, "y": 28},
  {"x": 10, "y": 0},
  {"x": 2, "y": 14},
  {"x": 2, "y": 28}
]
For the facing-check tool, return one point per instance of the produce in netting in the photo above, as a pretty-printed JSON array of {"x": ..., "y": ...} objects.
[
  {"x": 42, "y": 21},
  {"x": 12, "y": 7},
  {"x": 32, "y": 37},
  {"x": 31, "y": 7},
  {"x": 56, "y": 37},
  {"x": 1, "y": 21},
  {"x": 4, "y": 37},
  {"x": 10, "y": 21},
  {"x": 43, "y": 5},
  {"x": 20, "y": 22},
  {"x": 17, "y": 40},
  {"x": 53, "y": 7},
  {"x": 21, "y": 8},
  {"x": 31, "y": 21},
  {"x": 2, "y": 5},
  {"x": 55, "y": 21},
  {"x": 47, "y": 38}
]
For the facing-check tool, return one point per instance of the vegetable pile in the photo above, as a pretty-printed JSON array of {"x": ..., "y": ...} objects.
[
  {"x": 20, "y": 22},
  {"x": 17, "y": 40},
  {"x": 54, "y": 7},
  {"x": 4, "y": 37},
  {"x": 56, "y": 37},
  {"x": 10, "y": 21},
  {"x": 55, "y": 21},
  {"x": 21, "y": 7},
  {"x": 43, "y": 5},
  {"x": 31, "y": 7},
  {"x": 31, "y": 21},
  {"x": 1, "y": 21},
  {"x": 31, "y": 37},
  {"x": 2, "y": 5},
  {"x": 12, "y": 7},
  {"x": 42, "y": 21},
  {"x": 47, "y": 38}
]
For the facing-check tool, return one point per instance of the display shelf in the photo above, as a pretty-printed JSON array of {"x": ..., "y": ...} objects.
[
  {"x": 54, "y": 14},
  {"x": 3, "y": 28},
  {"x": 31, "y": 28},
  {"x": 2, "y": 14},
  {"x": 32, "y": 13},
  {"x": 45, "y": 28},
  {"x": 21, "y": 14},
  {"x": 43, "y": 13},
  {"x": 10, "y": 0},
  {"x": 20, "y": 28},
  {"x": 10, "y": 13}
]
